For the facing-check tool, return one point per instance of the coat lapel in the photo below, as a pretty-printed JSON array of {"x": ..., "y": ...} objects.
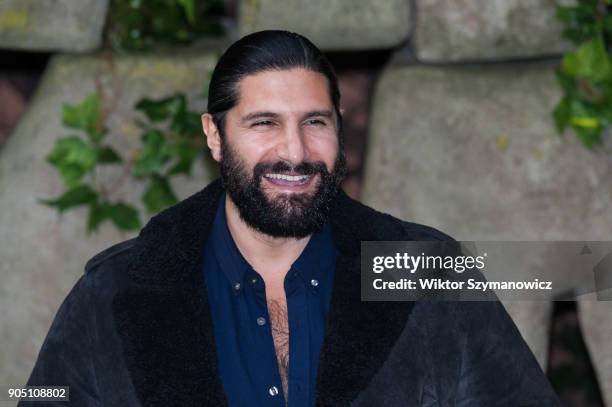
[
  {"x": 163, "y": 318},
  {"x": 165, "y": 324},
  {"x": 359, "y": 335}
]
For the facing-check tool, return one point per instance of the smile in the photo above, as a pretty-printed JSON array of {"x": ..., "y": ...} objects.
[{"x": 292, "y": 180}]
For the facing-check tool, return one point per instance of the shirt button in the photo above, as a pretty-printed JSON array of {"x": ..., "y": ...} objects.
[
  {"x": 261, "y": 321},
  {"x": 237, "y": 286},
  {"x": 314, "y": 282},
  {"x": 273, "y": 391},
  {"x": 254, "y": 280}
]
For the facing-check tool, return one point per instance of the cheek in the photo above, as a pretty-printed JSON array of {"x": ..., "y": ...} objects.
[
  {"x": 252, "y": 151},
  {"x": 324, "y": 149}
]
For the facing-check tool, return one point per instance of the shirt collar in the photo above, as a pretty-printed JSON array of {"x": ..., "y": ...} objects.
[
  {"x": 233, "y": 265},
  {"x": 318, "y": 254}
]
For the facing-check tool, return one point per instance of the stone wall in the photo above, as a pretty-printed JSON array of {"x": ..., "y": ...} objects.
[{"x": 461, "y": 138}]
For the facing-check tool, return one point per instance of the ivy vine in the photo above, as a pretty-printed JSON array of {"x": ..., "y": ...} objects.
[
  {"x": 171, "y": 143},
  {"x": 136, "y": 25},
  {"x": 585, "y": 75},
  {"x": 171, "y": 134}
]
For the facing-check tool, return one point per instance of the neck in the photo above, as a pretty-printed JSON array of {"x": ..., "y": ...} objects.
[{"x": 269, "y": 256}]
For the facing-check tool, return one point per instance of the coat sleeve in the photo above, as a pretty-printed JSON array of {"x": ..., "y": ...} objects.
[
  {"x": 497, "y": 367},
  {"x": 65, "y": 358}
]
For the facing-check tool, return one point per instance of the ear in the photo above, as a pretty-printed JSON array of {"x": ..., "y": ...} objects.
[{"x": 213, "y": 138}]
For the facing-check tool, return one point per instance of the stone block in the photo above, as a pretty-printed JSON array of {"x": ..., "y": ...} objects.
[
  {"x": 52, "y": 25},
  {"x": 332, "y": 25},
  {"x": 459, "y": 30}
]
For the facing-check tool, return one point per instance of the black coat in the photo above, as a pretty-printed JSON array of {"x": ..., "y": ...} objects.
[{"x": 136, "y": 328}]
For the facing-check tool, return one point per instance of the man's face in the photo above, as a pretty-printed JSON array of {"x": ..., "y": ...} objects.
[{"x": 280, "y": 160}]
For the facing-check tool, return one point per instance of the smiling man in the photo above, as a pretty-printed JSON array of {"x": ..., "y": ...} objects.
[
  {"x": 248, "y": 292},
  {"x": 281, "y": 166}
]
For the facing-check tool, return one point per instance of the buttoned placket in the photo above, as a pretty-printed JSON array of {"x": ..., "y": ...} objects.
[{"x": 263, "y": 332}]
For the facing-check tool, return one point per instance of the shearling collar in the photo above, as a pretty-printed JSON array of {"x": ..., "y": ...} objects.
[{"x": 166, "y": 328}]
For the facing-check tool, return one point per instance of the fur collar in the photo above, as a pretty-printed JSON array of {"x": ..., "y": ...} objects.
[{"x": 166, "y": 328}]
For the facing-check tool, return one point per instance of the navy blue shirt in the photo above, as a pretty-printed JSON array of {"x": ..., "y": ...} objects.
[{"x": 242, "y": 330}]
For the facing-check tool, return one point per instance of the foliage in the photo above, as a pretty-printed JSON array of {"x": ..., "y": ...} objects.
[
  {"x": 585, "y": 75},
  {"x": 171, "y": 144},
  {"x": 140, "y": 24},
  {"x": 165, "y": 154},
  {"x": 171, "y": 134}
]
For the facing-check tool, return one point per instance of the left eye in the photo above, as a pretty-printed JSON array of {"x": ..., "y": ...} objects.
[{"x": 315, "y": 122}]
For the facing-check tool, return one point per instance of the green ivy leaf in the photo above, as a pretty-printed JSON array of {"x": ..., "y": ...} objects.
[
  {"x": 186, "y": 155},
  {"x": 159, "y": 195},
  {"x": 189, "y": 8},
  {"x": 187, "y": 123},
  {"x": 567, "y": 15},
  {"x": 158, "y": 110},
  {"x": 579, "y": 108},
  {"x": 85, "y": 116},
  {"x": 588, "y": 135},
  {"x": 562, "y": 114},
  {"x": 124, "y": 216},
  {"x": 76, "y": 196},
  {"x": 585, "y": 122},
  {"x": 604, "y": 112},
  {"x": 154, "y": 154},
  {"x": 570, "y": 64},
  {"x": 607, "y": 22},
  {"x": 73, "y": 158},
  {"x": 107, "y": 155},
  {"x": 98, "y": 213},
  {"x": 590, "y": 60},
  {"x": 567, "y": 82}
]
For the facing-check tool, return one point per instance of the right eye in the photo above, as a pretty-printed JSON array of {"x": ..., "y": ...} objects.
[{"x": 262, "y": 123}]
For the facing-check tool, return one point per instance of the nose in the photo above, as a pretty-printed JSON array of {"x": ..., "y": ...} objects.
[{"x": 292, "y": 146}]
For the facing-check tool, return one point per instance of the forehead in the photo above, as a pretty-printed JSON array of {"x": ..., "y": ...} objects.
[{"x": 295, "y": 89}]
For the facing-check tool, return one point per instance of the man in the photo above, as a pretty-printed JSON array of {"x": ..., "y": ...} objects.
[{"x": 247, "y": 293}]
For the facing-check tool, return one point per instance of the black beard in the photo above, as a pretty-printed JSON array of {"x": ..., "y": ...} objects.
[{"x": 294, "y": 215}]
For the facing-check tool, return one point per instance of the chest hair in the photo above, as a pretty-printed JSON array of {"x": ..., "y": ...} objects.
[{"x": 277, "y": 310}]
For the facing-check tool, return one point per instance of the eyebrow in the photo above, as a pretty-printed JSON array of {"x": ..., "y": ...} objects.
[
  {"x": 257, "y": 115},
  {"x": 319, "y": 113},
  {"x": 261, "y": 114}
]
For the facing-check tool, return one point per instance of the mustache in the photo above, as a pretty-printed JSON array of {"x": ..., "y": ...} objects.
[{"x": 281, "y": 167}]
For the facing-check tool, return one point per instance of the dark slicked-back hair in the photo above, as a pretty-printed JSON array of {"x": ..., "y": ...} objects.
[{"x": 263, "y": 51}]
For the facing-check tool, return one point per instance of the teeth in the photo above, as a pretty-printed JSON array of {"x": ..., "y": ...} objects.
[{"x": 293, "y": 178}]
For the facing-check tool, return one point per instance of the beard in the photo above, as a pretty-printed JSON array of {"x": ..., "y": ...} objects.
[{"x": 297, "y": 214}]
